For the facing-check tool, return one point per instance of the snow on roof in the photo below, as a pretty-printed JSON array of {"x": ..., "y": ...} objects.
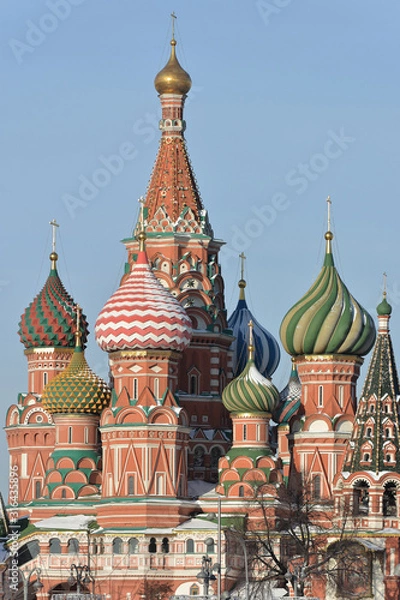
[
  {"x": 198, "y": 487},
  {"x": 197, "y": 523},
  {"x": 73, "y": 522}
]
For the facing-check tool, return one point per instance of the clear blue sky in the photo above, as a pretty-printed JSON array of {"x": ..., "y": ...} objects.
[{"x": 291, "y": 101}]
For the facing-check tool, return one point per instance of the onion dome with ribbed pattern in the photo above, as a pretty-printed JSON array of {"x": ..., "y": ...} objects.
[
  {"x": 142, "y": 314},
  {"x": 77, "y": 389},
  {"x": 49, "y": 319},
  {"x": 290, "y": 398},
  {"x": 328, "y": 319},
  {"x": 172, "y": 79},
  {"x": 250, "y": 392},
  {"x": 267, "y": 353}
]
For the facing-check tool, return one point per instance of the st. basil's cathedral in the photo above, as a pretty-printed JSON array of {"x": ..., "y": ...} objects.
[{"x": 137, "y": 483}]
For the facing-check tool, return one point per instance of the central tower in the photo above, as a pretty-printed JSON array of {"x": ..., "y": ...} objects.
[{"x": 183, "y": 254}]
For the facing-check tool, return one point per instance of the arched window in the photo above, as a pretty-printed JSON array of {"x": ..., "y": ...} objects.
[
  {"x": 372, "y": 408},
  {"x": 389, "y": 500},
  {"x": 38, "y": 489},
  {"x": 55, "y": 546},
  {"x": 73, "y": 546},
  {"x": 244, "y": 432},
  {"x": 193, "y": 384},
  {"x": 189, "y": 546},
  {"x": 210, "y": 546},
  {"x": 63, "y": 493},
  {"x": 316, "y": 487},
  {"x": 387, "y": 432},
  {"x": 369, "y": 431},
  {"x": 135, "y": 388},
  {"x": 86, "y": 435},
  {"x": 366, "y": 457},
  {"x": 198, "y": 460},
  {"x": 320, "y": 395},
  {"x": 133, "y": 546},
  {"x": 165, "y": 545},
  {"x": 241, "y": 491},
  {"x": 153, "y": 545},
  {"x": 216, "y": 454},
  {"x": 131, "y": 485},
  {"x": 361, "y": 498},
  {"x": 69, "y": 435},
  {"x": 194, "y": 590},
  {"x": 117, "y": 546},
  {"x": 45, "y": 378}
]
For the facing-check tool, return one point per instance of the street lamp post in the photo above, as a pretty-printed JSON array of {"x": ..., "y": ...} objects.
[
  {"x": 242, "y": 542},
  {"x": 26, "y": 576},
  {"x": 206, "y": 575},
  {"x": 80, "y": 574}
]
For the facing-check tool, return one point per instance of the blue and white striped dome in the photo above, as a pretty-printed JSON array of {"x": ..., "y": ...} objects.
[{"x": 267, "y": 353}]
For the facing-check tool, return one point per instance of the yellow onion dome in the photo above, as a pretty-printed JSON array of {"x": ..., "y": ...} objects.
[
  {"x": 77, "y": 389},
  {"x": 172, "y": 79},
  {"x": 328, "y": 319}
]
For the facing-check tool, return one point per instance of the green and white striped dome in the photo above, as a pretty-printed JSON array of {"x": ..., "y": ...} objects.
[
  {"x": 328, "y": 319},
  {"x": 250, "y": 392}
]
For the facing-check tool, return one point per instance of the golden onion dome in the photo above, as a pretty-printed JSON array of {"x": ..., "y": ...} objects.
[
  {"x": 77, "y": 389},
  {"x": 172, "y": 79}
]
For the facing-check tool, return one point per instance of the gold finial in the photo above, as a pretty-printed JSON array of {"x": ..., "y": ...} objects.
[
  {"x": 384, "y": 285},
  {"x": 141, "y": 236},
  {"x": 172, "y": 79},
  {"x": 78, "y": 334},
  {"x": 251, "y": 346},
  {"x": 173, "y": 17},
  {"x": 53, "y": 255},
  {"x": 329, "y": 234},
  {"x": 242, "y": 282}
]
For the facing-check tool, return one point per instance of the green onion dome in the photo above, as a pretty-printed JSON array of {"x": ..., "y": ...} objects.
[
  {"x": 384, "y": 308},
  {"x": 327, "y": 319},
  {"x": 49, "y": 319},
  {"x": 77, "y": 389},
  {"x": 250, "y": 392}
]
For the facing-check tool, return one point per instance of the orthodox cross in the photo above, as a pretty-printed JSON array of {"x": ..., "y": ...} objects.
[
  {"x": 329, "y": 202},
  {"x": 54, "y": 225},
  {"x": 251, "y": 347},
  {"x": 384, "y": 284},
  {"x": 141, "y": 214},
  {"x": 242, "y": 259},
  {"x": 173, "y": 16}
]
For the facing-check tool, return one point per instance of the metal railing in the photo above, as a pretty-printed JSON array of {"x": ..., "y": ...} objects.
[{"x": 76, "y": 596}]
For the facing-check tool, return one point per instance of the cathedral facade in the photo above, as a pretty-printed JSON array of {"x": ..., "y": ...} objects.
[{"x": 128, "y": 488}]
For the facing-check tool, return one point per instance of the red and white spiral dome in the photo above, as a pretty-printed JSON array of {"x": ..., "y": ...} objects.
[{"x": 142, "y": 314}]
